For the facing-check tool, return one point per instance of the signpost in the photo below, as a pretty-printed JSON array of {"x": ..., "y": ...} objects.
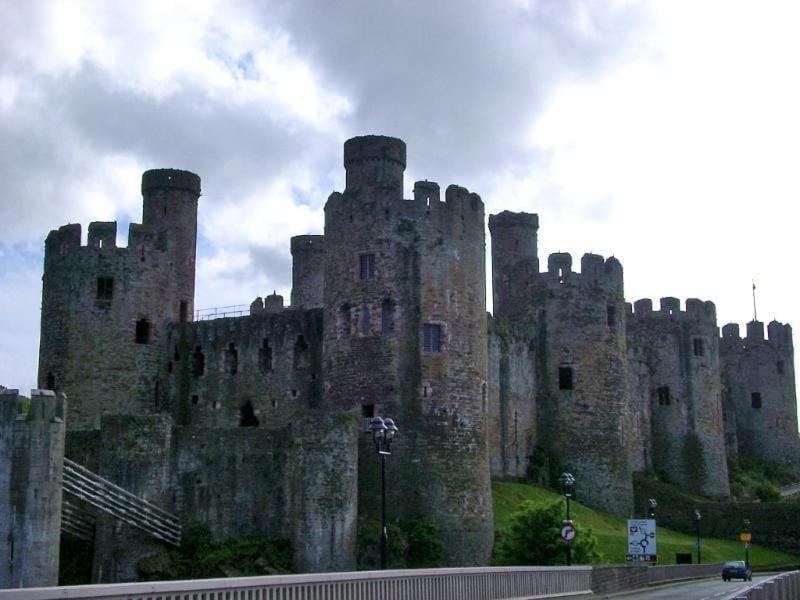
[
  {"x": 746, "y": 537},
  {"x": 642, "y": 545}
]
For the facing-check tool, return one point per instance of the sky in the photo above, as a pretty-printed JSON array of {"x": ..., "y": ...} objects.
[{"x": 663, "y": 133}]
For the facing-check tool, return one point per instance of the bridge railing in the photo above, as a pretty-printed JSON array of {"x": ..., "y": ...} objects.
[
  {"x": 780, "y": 587},
  {"x": 480, "y": 583}
]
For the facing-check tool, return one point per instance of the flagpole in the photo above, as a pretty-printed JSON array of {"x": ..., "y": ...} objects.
[{"x": 755, "y": 314}]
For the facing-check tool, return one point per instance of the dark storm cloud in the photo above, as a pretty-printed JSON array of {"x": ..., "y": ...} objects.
[{"x": 459, "y": 81}]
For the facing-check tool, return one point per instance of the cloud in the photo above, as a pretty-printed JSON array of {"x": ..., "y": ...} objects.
[{"x": 258, "y": 97}]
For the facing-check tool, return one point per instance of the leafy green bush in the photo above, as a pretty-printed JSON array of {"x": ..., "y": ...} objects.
[
  {"x": 766, "y": 492},
  {"x": 413, "y": 544},
  {"x": 534, "y": 538},
  {"x": 199, "y": 557}
]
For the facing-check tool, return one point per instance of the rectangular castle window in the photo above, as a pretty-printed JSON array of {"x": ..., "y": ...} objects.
[
  {"x": 198, "y": 362},
  {"x": 231, "y": 362},
  {"x": 780, "y": 366},
  {"x": 663, "y": 395},
  {"x": 432, "y": 337},
  {"x": 755, "y": 400},
  {"x": 367, "y": 266},
  {"x": 183, "y": 311},
  {"x": 301, "y": 353},
  {"x": 142, "y": 331},
  {"x": 105, "y": 288},
  {"x": 265, "y": 357},
  {"x": 698, "y": 346},
  {"x": 565, "y": 378},
  {"x": 611, "y": 315},
  {"x": 387, "y": 317}
]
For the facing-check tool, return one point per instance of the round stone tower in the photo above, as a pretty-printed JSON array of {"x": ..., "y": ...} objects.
[
  {"x": 675, "y": 380},
  {"x": 758, "y": 379},
  {"x": 170, "y": 208},
  {"x": 515, "y": 262},
  {"x": 405, "y": 337},
  {"x": 308, "y": 264},
  {"x": 585, "y": 409}
]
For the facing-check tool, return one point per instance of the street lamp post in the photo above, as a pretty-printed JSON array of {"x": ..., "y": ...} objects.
[
  {"x": 568, "y": 486},
  {"x": 746, "y": 523},
  {"x": 383, "y": 432},
  {"x": 697, "y": 517}
]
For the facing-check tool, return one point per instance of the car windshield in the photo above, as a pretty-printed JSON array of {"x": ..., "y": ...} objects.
[{"x": 735, "y": 563}]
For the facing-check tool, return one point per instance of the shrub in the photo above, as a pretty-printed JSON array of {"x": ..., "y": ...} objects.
[
  {"x": 199, "y": 557},
  {"x": 534, "y": 538},
  {"x": 766, "y": 492}
]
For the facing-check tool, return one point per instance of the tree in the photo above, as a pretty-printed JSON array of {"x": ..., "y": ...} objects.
[{"x": 534, "y": 538}]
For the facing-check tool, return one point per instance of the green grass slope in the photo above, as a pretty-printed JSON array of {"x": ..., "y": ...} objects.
[{"x": 611, "y": 531}]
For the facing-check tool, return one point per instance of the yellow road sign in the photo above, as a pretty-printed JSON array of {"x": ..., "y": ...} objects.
[{"x": 745, "y": 537}]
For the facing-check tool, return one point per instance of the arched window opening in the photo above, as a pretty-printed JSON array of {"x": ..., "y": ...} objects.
[{"x": 247, "y": 415}]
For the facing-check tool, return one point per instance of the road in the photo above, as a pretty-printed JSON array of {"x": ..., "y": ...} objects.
[{"x": 707, "y": 589}]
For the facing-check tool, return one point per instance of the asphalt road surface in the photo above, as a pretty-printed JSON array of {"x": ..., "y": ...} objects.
[{"x": 707, "y": 589}]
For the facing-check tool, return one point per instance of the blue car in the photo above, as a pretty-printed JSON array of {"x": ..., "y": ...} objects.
[{"x": 736, "y": 569}]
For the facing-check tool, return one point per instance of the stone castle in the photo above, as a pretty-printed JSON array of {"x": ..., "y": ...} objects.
[{"x": 255, "y": 424}]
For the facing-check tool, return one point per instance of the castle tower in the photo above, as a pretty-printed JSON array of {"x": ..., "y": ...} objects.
[
  {"x": 105, "y": 309},
  {"x": 308, "y": 266},
  {"x": 515, "y": 262},
  {"x": 31, "y": 462},
  {"x": 675, "y": 380},
  {"x": 759, "y": 380},
  {"x": 170, "y": 208},
  {"x": 585, "y": 410},
  {"x": 405, "y": 337}
]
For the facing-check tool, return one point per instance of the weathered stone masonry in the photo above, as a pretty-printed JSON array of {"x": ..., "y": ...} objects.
[{"x": 254, "y": 424}]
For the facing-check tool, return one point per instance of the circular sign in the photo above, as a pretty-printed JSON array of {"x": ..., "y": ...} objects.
[{"x": 568, "y": 532}]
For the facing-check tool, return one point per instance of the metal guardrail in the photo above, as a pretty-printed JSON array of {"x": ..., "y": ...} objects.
[
  {"x": 481, "y": 583},
  {"x": 77, "y": 522},
  {"x": 221, "y": 312},
  {"x": 784, "y": 586},
  {"x": 119, "y": 503}
]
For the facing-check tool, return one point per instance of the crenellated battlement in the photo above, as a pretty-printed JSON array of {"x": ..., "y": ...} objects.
[
  {"x": 595, "y": 271},
  {"x": 459, "y": 207},
  {"x": 779, "y": 335},
  {"x": 102, "y": 237},
  {"x": 170, "y": 179},
  {"x": 670, "y": 308},
  {"x": 44, "y": 406},
  {"x": 512, "y": 219}
]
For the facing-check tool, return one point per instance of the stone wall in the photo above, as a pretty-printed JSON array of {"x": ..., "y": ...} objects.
[
  {"x": 255, "y": 371},
  {"x": 31, "y": 462},
  {"x": 297, "y": 483},
  {"x": 512, "y": 406},
  {"x": 675, "y": 379}
]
